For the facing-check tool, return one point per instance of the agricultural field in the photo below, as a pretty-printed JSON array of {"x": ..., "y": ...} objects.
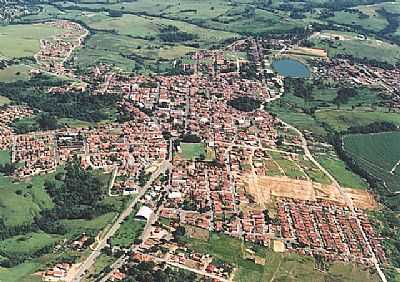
[
  {"x": 341, "y": 120},
  {"x": 23, "y": 40},
  {"x": 14, "y": 73},
  {"x": 352, "y": 45},
  {"x": 342, "y": 174},
  {"x": 378, "y": 154},
  {"x": 278, "y": 267},
  {"x": 350, "y": 18}
]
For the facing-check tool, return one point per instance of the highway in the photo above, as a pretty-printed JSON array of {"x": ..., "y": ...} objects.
[{"x": 90, "y": 260}]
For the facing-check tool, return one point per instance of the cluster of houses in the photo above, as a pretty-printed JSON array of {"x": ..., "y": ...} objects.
[
  {"x": 54, "y": 52},
  {"x": 9, "y": 114},
  {"x": 159, "y": 247},
  {"x": 326, "y": 229}
]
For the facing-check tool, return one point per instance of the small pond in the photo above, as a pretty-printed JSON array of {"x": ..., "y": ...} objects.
[{"x": 291, "y": 68}]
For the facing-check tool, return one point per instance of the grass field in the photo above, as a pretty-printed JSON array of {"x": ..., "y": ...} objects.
[
  {"x": 5, "y": 157},
  {"x": 341, "y": 120},
  {"x": 14, "y": 73},
  {"x": 191, "y": 151},
  {"x": 20, "y": 273},
  {"x": 26, "y": 245},
  {"x": 344, "y": 176},
  {"x": 22, "y": 201},
  {"x": 23, "y": 40},
  {"x": 374, "y": 23},
  {"x": 351, "y": 45},
  {"x": 377, "y": 154},
  {"x": 129, "y": 231},
  {"x": 278, "y": 267}
]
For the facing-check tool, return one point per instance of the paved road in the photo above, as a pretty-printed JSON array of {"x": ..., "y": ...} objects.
[{"x": 90, "y": 260}]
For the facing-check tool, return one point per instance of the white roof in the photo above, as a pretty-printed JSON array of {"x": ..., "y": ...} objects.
[
  {"x": 175, "y": 195},
  {"x": 145, "y": 212}
]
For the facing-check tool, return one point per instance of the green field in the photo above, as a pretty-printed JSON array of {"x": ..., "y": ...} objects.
[
  {"x": 191, "y": 151},
  {"x": 278, "y": 267},
  {"x": 130, "y": 230},
  {"x": 5, "y": 157},
  {"x": 23, "y": 40},
  {"x": 359, "y": 48},
  {"x": 377, "y": 154},
  {"x": 26, "y": 245},
  {"x": 14, "y": 73},
  {"x": 343, "y": 175},
  {"x": 341, "y": 120},
  {"x": 22, "y": 201}
]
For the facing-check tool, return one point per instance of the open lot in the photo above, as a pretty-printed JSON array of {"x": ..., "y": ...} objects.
[
  {"x": 23, "y": 40},
  {"x": 265, "y": 188}
]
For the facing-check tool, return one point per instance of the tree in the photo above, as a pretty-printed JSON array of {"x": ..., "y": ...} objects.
[{"x": 47, "y": 121}]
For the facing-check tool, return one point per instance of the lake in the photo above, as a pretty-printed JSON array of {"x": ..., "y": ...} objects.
[{"x": 291, "y": 68}]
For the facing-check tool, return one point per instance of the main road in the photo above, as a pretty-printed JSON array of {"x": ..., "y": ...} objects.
[{"x": 90, "y": 260}]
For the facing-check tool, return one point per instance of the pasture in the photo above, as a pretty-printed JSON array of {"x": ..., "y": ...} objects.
[
  {"x": 342, "y": 174},
  {"x": 18, "y": 41},
  {"x": 358, "y": 48},
  {"x": 378, "y": 154},
  {"x": 341, "y": 120},
  {"x": 14, "y": 73},
  {"x": 26, "y": 245}
]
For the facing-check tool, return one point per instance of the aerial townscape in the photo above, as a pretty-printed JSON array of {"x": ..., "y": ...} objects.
[{"x": 215, "y": 140}]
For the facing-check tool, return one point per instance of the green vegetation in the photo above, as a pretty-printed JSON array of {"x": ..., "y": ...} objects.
[
  {"x": 289, "y": 267},
  {"x": 5, "y": 157},
  {"x": 377, "y": 154},
  {"x": 23, "y": 40},
  {"x": 343, "y": 175},
  {"x": 27, "y": 245},
  {"x": 290, "y": 167},
  {"x": 129, "y": 231},
  {"x": 191, "y": 151},
  {"x": 14, "y": 73},
  {"x": 341, "y": 120}
]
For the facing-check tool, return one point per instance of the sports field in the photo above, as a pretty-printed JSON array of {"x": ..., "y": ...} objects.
[{"x": 378, "y": 154}]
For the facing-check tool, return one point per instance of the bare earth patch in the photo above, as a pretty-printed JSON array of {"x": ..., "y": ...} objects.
[{"x": 265, "y": 188}]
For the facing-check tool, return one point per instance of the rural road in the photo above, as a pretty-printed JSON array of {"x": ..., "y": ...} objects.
[
  {"x": 345, "y": 196},
  {"x": 90, "y": 260}
]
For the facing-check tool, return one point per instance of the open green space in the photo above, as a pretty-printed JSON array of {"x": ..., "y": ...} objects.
[
  {"x": 23, "y": 40},
  {"x": 191, "y": 151},
  {"x": 26, "y": 245},
  {"x": 377, "y": 154},
  {"x": 5, "y": 157},
  {"x": 358, "y": 48},
  {"x": 22, "y": 201},
  {"x": 342, "y": 174},
  {"x": 4, "y": 101},
  {"x": 350, "y": 18},
  {"x": 20, "y": 273},
  {"x": 341, "y": 120},
  {"x": 130, "y": 230},
  {"x": 14, "y": 73},
  {"x": 278, "y": 267},
  {"x": 290, "y": 167}
]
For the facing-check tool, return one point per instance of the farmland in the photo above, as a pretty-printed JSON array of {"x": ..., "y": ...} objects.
[
  {"x": 377, "y": 154},
  {"x": 23, "y": 40}
]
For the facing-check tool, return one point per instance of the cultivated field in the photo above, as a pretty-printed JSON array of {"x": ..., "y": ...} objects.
[
  {"x": 378, "y": 154},
  {"x": 23, "y": 40}
]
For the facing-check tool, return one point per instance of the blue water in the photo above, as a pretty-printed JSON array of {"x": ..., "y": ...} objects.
[{"x": 291, "y": 68}]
